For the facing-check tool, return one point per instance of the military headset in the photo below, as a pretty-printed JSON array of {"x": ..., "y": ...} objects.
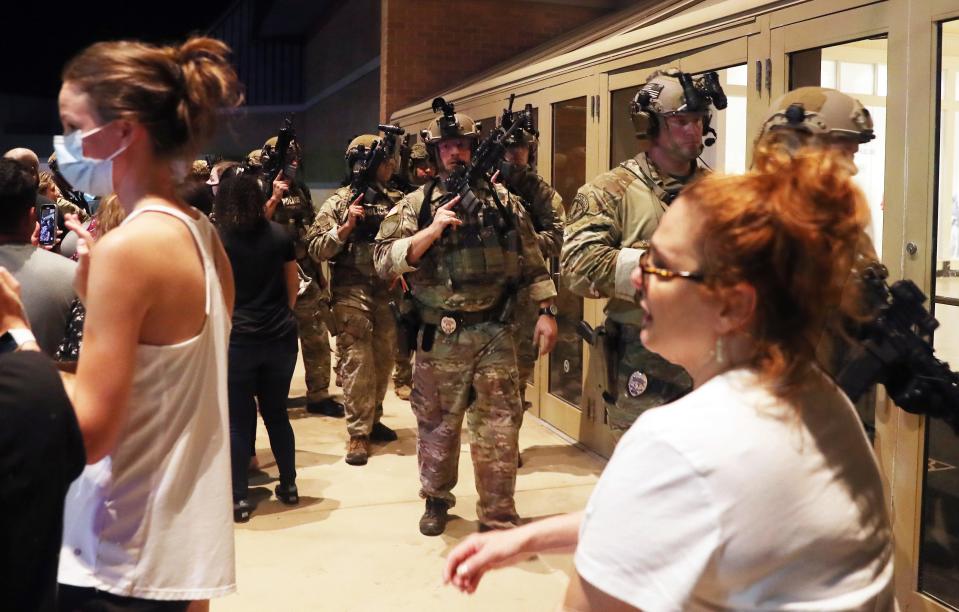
[{"x": 698, "y": 94}]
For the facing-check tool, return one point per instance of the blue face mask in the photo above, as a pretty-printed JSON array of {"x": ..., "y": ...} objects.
[{"x": 93, "y": 176}]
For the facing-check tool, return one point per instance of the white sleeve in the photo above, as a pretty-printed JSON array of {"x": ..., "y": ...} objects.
[{"x": 650, "y": 527}]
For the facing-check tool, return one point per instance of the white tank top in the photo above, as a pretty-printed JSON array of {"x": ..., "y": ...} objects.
[{"x": 154, "y": 518}]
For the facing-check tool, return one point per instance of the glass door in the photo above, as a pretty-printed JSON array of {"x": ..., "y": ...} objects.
[
  {"x": 938, "y": 562},
  {"x": 567, "y": 116}
]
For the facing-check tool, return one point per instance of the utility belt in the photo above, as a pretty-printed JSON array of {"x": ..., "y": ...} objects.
[
  {"x": 611, "y": 339},
  {"x": 411, "y": 316}
]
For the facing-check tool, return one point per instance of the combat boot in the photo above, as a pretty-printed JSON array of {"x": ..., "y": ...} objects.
[
  {"x": 433, "y": 521},
  {"x": 327, "y": 407},
  {"x": 358, "y": 450},
  {"x": 382, "y": 433}
]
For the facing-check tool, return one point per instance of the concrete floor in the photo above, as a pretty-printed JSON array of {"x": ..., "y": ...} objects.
[{"x": 353, "y": 544}]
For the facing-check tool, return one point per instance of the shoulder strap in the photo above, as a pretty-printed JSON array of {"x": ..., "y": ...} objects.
[
  {"x": 649, "y": 181},
  {"x": 426, "y": 208}
]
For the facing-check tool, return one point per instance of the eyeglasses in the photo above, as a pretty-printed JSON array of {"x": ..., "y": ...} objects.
[{"x": 647, "y": 268}]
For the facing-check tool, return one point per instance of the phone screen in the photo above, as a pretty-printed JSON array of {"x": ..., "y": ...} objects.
[{"x": 48, "y": 225}]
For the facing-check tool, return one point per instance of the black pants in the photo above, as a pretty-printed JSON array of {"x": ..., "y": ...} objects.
[
  {"x": 86, "y": 599},
  {"x": 260, "y": 374}
]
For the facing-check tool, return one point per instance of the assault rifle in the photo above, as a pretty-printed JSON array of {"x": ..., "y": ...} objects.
[
  {"x": 273, "y": 161},
  {"x": 363, "y": 172},
  {"x": 896, "y": 350},
  {"x": 486, "y": 158}
]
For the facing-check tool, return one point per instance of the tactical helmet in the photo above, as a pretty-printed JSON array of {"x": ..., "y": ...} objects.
[
  {"x": 254, "y": 157},
  {"x": 821, "y": 112},
  {"x": 359, "y": 146},
  {"x": 418, "y": 153},
  {"x": 670, "y": 91},
  {"x": 270, "y": 143},
  {"x": 449, "y": 124},
  {"x": 522, "y": 137},
  {"x": 200, "y": 166}
]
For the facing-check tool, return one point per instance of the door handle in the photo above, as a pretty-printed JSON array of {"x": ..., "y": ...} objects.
[
  {"x": 759, "y": 76},
  {"x": 769, "y": 77}
]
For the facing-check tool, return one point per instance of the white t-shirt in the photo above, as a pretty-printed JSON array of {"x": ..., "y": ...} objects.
[{"x": 729, "y": 499}]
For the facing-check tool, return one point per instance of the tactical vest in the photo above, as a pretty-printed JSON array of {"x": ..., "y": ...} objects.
[
  {"x": 354, "y": 263},
  {"x": 484, "y": 250}
]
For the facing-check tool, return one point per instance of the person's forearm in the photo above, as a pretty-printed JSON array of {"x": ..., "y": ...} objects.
[
  {"x": 343, "y": 232},
  {"x": 557, "y": 534},
  {"x": 421, "y": 242}
]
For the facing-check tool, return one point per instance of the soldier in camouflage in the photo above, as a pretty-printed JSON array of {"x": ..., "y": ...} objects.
[
  {"x": 545, "y": 209},
  {"x": 463, "y": 269},
  {"x": 418, "y": 172},
  {"x": 824, "y": 118},
  {"x": 362, "y": 320},
  {"x": 291, "y": 206},
  {"x": 610, "y": 223}
]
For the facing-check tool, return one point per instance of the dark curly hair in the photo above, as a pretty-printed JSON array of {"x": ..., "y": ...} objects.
[{"x": 239, "y": 204}]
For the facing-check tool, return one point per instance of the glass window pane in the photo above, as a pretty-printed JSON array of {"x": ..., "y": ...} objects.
[
  {"x": 939, "y": 547},
  {"x": 856, "y": 78},
  {"x": 866, "y": 67},
  {"x": 828, "y": 74},
  {"x": 737, "y": 75},
  {"x": 569, "y": 174}
]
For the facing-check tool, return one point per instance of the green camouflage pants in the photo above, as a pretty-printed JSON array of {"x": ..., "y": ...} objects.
[
  {"x": 644, "y": 380},
  {"x": 315, "y": 343},
  {"x": 364, "y": 338},
  {"x": 472, "y": 370}
]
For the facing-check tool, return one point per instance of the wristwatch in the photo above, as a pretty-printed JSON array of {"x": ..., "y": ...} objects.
[
  {"x": 13, "y": 339},
  {"x": 550, "y": 310}
]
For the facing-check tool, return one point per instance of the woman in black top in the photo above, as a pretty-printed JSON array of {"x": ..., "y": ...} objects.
[{"x": 263, "y": 344}]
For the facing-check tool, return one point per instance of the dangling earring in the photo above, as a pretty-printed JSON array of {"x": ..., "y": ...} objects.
[{"x": 720, "y": 355}]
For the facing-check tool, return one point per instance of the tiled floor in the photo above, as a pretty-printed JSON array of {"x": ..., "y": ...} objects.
[{"x": 352, "y": 544}]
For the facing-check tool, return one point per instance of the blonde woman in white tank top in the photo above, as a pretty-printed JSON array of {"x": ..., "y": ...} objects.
[{"x": 150, "y": 518}]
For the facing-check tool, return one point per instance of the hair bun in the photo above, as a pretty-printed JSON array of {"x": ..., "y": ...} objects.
[{"x": 209, "y": 84}]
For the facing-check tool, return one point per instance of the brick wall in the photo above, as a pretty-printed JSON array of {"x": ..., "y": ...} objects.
[{"x": 431, "y": 45}]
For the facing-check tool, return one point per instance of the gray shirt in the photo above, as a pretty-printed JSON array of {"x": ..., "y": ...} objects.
[{"x": 46, "y": 288}]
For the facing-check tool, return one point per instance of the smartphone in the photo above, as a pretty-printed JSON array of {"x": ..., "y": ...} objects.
[{"x": 48, "y": 225}]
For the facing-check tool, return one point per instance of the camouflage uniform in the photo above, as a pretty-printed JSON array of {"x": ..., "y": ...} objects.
[
  {"x": 297, "y": 215},
  {"x": 545, "y": 209},
  {"x": 66, "y": 207},
  {"x": 403, "y": 364},
  {"x": 472, "y": 362},
  {"x": 610, "y": 223},
  {"x": 363, "y": 322}
]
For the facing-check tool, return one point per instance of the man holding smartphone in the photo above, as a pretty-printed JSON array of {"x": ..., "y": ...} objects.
[{"x": 46, "y": 279}]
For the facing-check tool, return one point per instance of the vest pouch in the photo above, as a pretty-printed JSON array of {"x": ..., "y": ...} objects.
[
  {"x": 467, "y": 259},
  {"x": 493, "y": 252}
]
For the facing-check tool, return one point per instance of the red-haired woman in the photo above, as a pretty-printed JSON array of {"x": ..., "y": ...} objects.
[{"x": 758, "y": 490}]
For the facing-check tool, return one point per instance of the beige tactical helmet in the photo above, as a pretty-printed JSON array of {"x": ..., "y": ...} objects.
[
  {"x": 661, "y": 95},
  {"x": 359, "y": 146},
  {"x": 418, "y": 153},
  {"x": 270, "y": 143},
  {"x": 666, "y": 93},
  {"x": 820, "y": 111},
  {"x": 449, "y": 124},
  {"x": 254, "y": 157}
]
